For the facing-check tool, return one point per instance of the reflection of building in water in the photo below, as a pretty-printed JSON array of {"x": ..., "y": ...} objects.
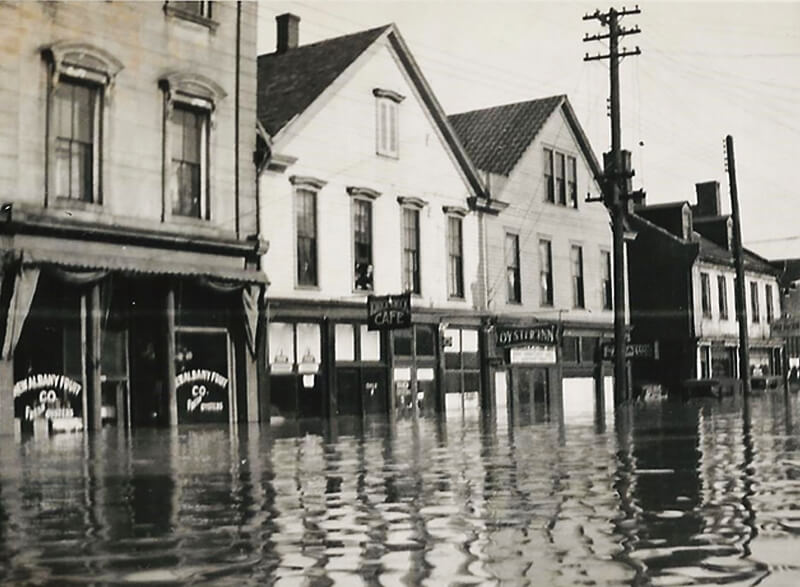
[{"x": 129, "y": 219}]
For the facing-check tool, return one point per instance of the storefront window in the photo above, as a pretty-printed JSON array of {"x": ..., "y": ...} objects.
[
  {"x": 203, "y": 373},
  {"x": 345, "y": 342},
  {"x": 402, "y": 342},
  {"x": 569, "y": 349},
  {"x": 425, "y": 341},
  {"x": 281, "y": 345},
  {"x": 370, "y": 344},
  {"x": 462, "y": 364}
]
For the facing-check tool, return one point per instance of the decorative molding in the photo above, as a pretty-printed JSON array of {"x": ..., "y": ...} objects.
[
  {"x": 487, "y": 205},
  {"x": 411, "y": 202},
  {"x": 389, "y": 94},
  {"x": 83, "y": 61},
  {"x": 191, "y": 88},
  {"x": 174, "y": 9},
  {"x": 455, "y": 211},
  {"x": 308, "y": 182},
  {"x": 280, "y": 163},
  {"x": 363, "y": 192}
]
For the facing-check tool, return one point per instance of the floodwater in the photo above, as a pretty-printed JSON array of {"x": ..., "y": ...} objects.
[{"x": 663, "y": 494}]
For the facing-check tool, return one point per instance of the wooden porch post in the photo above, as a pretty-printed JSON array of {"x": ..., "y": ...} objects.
[
  {"x": 169, "y": 367},
  {"x": 93, "y": 354}
]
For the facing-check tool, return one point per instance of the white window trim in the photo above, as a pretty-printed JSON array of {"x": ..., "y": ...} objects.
[
  {"x": 196, "y": 92},
  {"x": 315, "y": 185},
  {"x": 363, "y": 194},
  {"x": 390, "y": 101},
  {"x": 79, "y": 62}
]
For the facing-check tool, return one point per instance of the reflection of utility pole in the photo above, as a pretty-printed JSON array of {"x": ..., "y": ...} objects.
[
  {"x": 616, "y": 184},
  {"x": 741, "y": 306}
]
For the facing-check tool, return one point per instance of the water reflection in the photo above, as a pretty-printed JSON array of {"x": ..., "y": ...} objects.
[{"x": 665, "y": 494}]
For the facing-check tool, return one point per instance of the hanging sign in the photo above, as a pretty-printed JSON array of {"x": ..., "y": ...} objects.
[
  {"x": 389, "y": 312},
  {"x": 46, "y": 395},
  {"x": 640, "y": 350},
  {"x": 511, "y": 336},
  {"x": 202, "y": 396}
]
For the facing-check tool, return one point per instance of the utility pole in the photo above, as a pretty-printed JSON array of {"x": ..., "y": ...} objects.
[
  {"x": 616, "y": 183},
  {"x": 741, "y": 306}
]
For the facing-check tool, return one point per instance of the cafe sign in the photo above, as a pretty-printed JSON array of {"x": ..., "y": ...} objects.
[
  {"x": 513, "y": 336},
  {"x": 202, "y": 396},
  {"x": 46, "y": 395},
  {"x": 389, "y": 312}
]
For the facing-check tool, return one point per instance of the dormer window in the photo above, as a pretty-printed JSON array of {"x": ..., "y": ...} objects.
[
  {"x": 81, "y": 74},
  {"x": 387, "y": 122}
]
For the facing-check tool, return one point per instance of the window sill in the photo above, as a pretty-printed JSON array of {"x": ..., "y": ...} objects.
[
  {"x": 62, "y": 203},
  {"x": 303, "y": 287},
  {"x": 514, "y": 302},
  {"x": 177, "y": 12},
  {"x": 456, "y": 298},
  {"x": 393, "y": 156}
]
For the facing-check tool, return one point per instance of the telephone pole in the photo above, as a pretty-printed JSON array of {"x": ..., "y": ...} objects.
[
  {"x": 616, "y": 183},
  {"x": 741, "y": 306}
]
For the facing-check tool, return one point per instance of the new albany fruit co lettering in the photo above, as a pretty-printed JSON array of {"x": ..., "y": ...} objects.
[
  {"x": 388, "y": 312},
  {"x": 540, "y": 334}
]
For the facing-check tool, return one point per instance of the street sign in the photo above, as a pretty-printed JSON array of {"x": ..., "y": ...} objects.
[
  {"x": 509, "y": 336},
  {"x": 639, "y": 350},
  {"x": 389, "y": 312}
]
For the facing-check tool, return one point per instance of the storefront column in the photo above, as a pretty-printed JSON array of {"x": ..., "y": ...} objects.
[
  {"x": 7, "y": 423},
  {"x": 487, "y": 372},
  {"x": 93, "y": 350},
  {"x": 169, "y": 367}
]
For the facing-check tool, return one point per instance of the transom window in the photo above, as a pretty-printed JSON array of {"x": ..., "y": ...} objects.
[
  {"x": 387, "y": 122},
  {"x": 560, "y": 178}
]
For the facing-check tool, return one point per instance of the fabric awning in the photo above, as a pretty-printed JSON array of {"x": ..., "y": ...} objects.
[{"x": 158, "y": 262}]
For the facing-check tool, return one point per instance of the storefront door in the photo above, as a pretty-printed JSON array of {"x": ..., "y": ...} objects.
[
  {"x": 414, "y": 374},
  {"x": 203, "y": 367},
  {"x": 530, "y": 389}
]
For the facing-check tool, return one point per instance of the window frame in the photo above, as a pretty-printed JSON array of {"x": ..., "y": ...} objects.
[
  {"x": 722, "y": 296},
  {"x": 769, "y": 306},
  {"x": 203, "y": 117},
  {"x": 205, "y": 17},
  {"x": 606, "y": 280},
  {"x": 183, "y": 92},
  {"x": 755, "y": 310},
  {"x": 411, "y": 207},
  {"x": 387, "y": 122},
  {"x": 572, "y": 182},
  {"x": 306, "y": 187},
  {"x": 705, "y": 294},
  {"x": 513, "y": 266},
  {"x": 78, "y": 64},
  {"x": 455, "y": 253},
  {"x": 549, "y": 179},
  {"x": 578, "y": 277},
  {"x": 362, "y": 196},
  {"x": 560, "y": 178},
  {"x": 546, "y": 298}
]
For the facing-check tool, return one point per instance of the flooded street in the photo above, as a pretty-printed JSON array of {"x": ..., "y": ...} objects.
[{"x": 665, "y": 494}]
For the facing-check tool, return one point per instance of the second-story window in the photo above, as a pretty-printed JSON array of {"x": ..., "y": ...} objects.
[
  {"x": 513, "y": 281},
  {"x": 606, "y": 283},
  {"x": 545, "y": 273},
  {"x": 411, "y": 266},
  {"x": 387, "y": 122},
  {"x": 306, "y": 228},
  {"x": 455, "y": 257},
  {"x": 362, "y": 244},
  {"x": 77, "y": 124},
  {"x": 572, "y": 181},
  {"x": 722, "y": 294},
  {"x": 770, "y": 308},
  {"x": 576, "y": 261},
  {"x": 755, "y": 311},
  {"x": 705, "y": 294},
  {"x": 80, "y": 76},
  {"x": 188, "y": 131}
]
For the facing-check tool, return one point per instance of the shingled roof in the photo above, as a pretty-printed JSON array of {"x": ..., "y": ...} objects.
[
  {"x": 289, "y": 82},
  {"x": 496, "y": 137}
]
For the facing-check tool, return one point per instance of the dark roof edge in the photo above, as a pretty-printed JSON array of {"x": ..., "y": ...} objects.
[
  {"x": 582, "y": 139},
  {"x": 439, "y": 116},
  {"x": 658, "y": 229}
]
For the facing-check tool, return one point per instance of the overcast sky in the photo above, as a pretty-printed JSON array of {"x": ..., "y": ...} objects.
[{"x": 706, "y": 70}]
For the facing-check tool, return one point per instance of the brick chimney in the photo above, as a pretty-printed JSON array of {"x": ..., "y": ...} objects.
[
  {"x": 707, "y": 199},
  {"x": 288, "y": 31}
]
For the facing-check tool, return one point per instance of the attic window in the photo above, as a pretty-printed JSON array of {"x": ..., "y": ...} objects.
[{"x": 387, "y": 123}]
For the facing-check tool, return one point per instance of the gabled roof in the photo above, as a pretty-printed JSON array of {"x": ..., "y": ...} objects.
[
  {"x": 713, "y": 253},
  {"x": 289, "y": 82},
  {"x": 497, "y": 137}
]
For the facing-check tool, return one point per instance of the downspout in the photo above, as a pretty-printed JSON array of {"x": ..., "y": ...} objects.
[{"x": 236, "y": 115}]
